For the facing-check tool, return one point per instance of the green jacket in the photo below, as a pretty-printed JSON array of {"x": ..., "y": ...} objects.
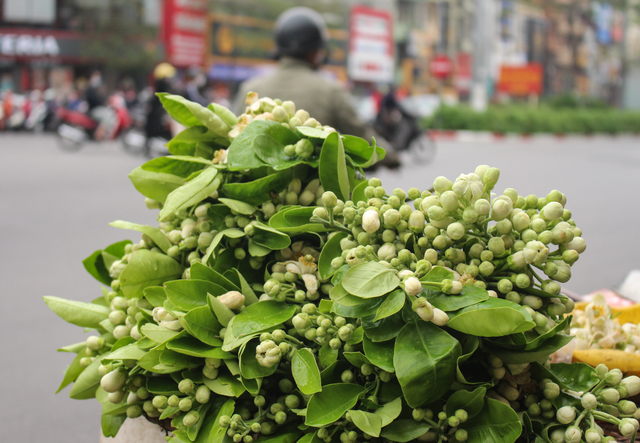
[{"x": 297, "y": 81}]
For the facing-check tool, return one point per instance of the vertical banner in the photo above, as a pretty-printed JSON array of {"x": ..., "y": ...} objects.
[
  {"x": 371, "y": 44},
  {"x": 184, "y": 29}
]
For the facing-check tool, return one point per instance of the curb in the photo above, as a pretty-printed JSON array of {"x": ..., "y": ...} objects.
[{"x": 489, "y": 137}]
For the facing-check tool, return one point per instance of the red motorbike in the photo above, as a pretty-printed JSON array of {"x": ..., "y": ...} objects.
[{"x": 104, "y": 123}]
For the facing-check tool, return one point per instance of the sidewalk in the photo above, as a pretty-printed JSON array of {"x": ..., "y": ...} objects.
[{"x": 489, "y": 137}]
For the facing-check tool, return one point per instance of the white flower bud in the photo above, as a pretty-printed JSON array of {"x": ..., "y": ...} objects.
[
  {"x": 426, "y": 313},
  {"x": 232, "y": 299},
  {"x": 566, "y": 415},
  {"x": 387, "y": 252},
  {"x": 440, "y": 317},
  {"x": 371, "y": 221},
  {"x": 113, "y": 381},
  {"x": 412, "y": 286},
  {"x": 632, "y": 383},
  {"x": 552, "y": 211},
  {"x": 577, "y": 244},
  {"x": 482, "y": 206},
  {"x": 501, "y": 207}
]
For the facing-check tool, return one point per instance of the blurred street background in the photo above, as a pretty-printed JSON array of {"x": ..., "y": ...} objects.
[{"x": 80, "y": 75}]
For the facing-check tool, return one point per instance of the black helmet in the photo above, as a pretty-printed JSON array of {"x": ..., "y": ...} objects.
[{"x": 300, "y": 31}]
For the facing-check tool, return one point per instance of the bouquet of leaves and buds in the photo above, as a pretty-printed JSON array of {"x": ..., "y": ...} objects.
[{"x": 283, "y": 297}]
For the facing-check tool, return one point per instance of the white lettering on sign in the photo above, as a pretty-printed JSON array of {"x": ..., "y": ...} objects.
[
  {"x": 189, "y": 23},
  {"x": 28, "y": 45}
]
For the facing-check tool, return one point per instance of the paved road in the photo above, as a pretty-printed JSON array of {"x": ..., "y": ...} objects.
[{"x": 56, "y": 208}]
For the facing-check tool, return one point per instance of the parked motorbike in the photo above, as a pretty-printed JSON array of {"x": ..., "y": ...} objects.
[{"x": 104, "y": 123}]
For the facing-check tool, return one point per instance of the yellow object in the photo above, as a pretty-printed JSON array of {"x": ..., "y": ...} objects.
[
  {"x": 164, "y": 70},
  {"x": 630, "y": 314},
  {"x": 628, "y": 363}
]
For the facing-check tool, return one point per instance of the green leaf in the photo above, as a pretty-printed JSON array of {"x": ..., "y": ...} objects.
[
  {"x": 188, "y": 113},
  {"x": 158, "y": 334},
  {"x": 155, "y": 185},
  {"x": 191, "y": 294},
  {"x": 271, "y": 151},
  {"x": 385, "y": 329},
  {"x": 437, "y": 274},
  {"x": 225, "y": 385},
  {"x": 85, "y": 315},
  {"x": 470, "y": 401},
  {"x": 470, "y": 295},
  {"x": 211, "y": 249},
  {"x": 333, "y": 167},
  {"x": 129, "y": 352},
  {"x": 406, "y": 430},
  {"x": 258, "y": 191},
  {"x": 195, "y": 348},
  {"x": 389, "y": 411},
  {"x": 367, "y": 422},
  {"x": 392, "y": 304},
  {"x": 530, "y": 340},
  {"x": 181, "y": 166},
  {"x": 356, "y": 358},
  {"x": 425, "y": 362},
  {"x": 269, "y": 237},
  {"x": 198, "y": 271},
  {"x": 211, "y": 431},
  {"x": 578, "y": 377},
  {"x": 146, "y": 269},
  {"x": 542, "y": 352},
  {"x": 380, "y": 354},
  {"x": 249, "y": 366},
  {"x": 312, "y": 133},
  {"x": 294, "y": 220},
  {"x": 358, "y": 192},
  {"x": 327, "y": 406},
  {"x": 223, "y": 314},
  {"x": 496, "y": 422},
  {"x": 189, "y": 141},
  {"x": 359, "y": 150},
  {"x": 238, "y": 206},
  {"x": 367, "y": 308},
  {"x": 87, "y": 382},
  {"x": 111, "y": 424},
  {"x": 163, "y": 386},
  {"x": 327, "y": 355},
  {"x": 75, "y": 348},
  {"x": 155, "y": 234},
  {"x": 305, "y": 372},
  {"x": 97, "y": 264},
  {"x": 74, "y": 370},
  {"x": 261, "y": 316},
  {"x": 369, "y": 280},
  {"x": 244, "y": 150},
  {"x": 155, "y": 295},
  {"x": 330, "y": 251},
  {"x": 203, "y": 325},
  {"x": 494, "y": 317},
  {"x": 190, "y": 193}
]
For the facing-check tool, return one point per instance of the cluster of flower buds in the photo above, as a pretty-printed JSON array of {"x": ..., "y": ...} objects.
[
  {"x": 275, "y": 110},
  {"x": 296, "y": 278},
  {"x": 596, "y": 328},
  {"x": 502, "y": 244},
  {"x": 605, "y": 401},
  {"x": 322, "y": 328},
  {"x": 443, "y": 424}
]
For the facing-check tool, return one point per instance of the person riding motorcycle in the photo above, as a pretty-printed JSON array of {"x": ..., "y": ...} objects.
[{"x": 301, "y": 38}]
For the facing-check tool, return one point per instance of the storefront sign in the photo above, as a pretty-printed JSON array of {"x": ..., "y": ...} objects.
[
  {"x": 184, "y": 28},
  {"x": 521, "y": 80},
  {"x": 441, "y": 66},
  {"x": 371, "y": 45},
  {"x": 28, "y": 45},
  {"x": 464, "y": 75}
]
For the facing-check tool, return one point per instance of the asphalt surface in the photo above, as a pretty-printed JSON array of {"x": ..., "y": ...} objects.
[{"x": 56, "y": 207}]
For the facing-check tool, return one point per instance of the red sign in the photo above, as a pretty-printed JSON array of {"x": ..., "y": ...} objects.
[
  {"x": 441, "y": 66},
  {"x": 521, "y": 80},
  {"x": 371, "y": 45},
  {"x": 184, "y": 29}
]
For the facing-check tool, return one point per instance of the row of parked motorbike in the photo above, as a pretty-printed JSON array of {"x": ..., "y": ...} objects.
[{"x": 75, "y": 126}]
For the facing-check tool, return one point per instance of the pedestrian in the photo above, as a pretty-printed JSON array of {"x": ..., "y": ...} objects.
[{"x": 301, "y": 38}]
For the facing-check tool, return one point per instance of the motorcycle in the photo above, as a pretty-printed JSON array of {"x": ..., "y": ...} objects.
[{"x": 104, "y": 123}]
